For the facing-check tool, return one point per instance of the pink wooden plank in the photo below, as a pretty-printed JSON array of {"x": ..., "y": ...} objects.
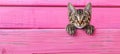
[
  {"x": 57, "y": 41},
  {"x": 53, "y": 17},
  {"x": 57, "y": 17},
  {"x": 60, "y": 2},
  {"x": 16, "y": 17}
]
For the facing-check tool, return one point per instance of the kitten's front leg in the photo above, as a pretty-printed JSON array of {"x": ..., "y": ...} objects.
[
  {"x": 89, "y": 29},
  {"x": 71, "y": 29}
]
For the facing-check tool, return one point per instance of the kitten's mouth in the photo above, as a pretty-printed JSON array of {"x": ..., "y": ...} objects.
[{"x": 80, "y": 26}]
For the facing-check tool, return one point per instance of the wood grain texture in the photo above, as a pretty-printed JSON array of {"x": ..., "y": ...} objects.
[
  {"x": 16, "y": 17},
  {"x": 54, "y": 17},
  {"x": 60, "y": 2},
  {"x": 57, "y": 41},
  {"x": 51, "y": 17}
]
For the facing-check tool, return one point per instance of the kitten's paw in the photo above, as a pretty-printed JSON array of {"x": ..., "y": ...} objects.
[
  {"x": 89, "y": 29},
  {"x": 70, "y": 29}
]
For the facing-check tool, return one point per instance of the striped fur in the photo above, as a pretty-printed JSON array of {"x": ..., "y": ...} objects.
[{"x": 80, "y": 19}]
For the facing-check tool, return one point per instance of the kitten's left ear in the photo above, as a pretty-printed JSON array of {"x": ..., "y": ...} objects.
[{"x": 88, "y": 7}]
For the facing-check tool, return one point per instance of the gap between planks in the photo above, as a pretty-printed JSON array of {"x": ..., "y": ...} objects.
[
  {"x": 59, "y": 2},
  {"x": 94, "y": 6}
]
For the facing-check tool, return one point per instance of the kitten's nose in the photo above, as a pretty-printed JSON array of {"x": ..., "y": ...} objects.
[{"x": 80, "y": 22}]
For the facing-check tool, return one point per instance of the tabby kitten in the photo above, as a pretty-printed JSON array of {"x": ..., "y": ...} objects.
[{"x": 79, "y": 19}]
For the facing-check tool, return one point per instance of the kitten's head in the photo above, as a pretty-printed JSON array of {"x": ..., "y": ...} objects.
[{"x": 80, "y": 18}]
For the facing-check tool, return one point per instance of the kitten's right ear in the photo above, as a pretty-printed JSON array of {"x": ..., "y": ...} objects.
[
  {"x": 88, "y": 7},
  {"x": 71, "y": 8}
]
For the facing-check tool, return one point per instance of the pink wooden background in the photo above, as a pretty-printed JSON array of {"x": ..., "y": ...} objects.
[{"x": 38, "y": 27}]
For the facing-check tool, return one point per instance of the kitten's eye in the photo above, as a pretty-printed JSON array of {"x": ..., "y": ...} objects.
[
  {"x": 75, "y": 17},
  {"x": 84, "y": 16}
]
